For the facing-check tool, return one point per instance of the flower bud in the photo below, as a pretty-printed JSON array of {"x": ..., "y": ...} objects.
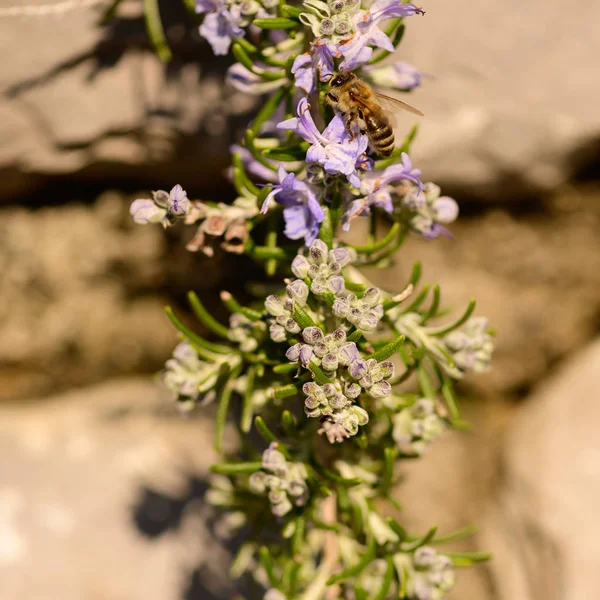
[
  {"x": 292, "y": 326},
  {"x": 300, "y": 266},
  {"x": 348, "y": 353},
  {"x": 343, "y": 256},
  {"x": 340, "y": 308},
  {"x": 380, "y": 390},
  {"x": 387, "y": 369},
  {"x": 318, "y": 249},
  {"x": 336, "y": 285},
  {"x": 257, "y": 482},
  {"x": 337, "y": 6},
  {"x": 352, "y": 390},
  {"x": 330, "y": 362},
  {"x": 293, "y": 352},
  {"x": 357, "y": 369},
  {"x": 274, "y": 306},
  {"x": 312, "y": 335}
]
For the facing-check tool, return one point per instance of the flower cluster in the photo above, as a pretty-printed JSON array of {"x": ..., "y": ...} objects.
[
  {"x": 430, "y": 574},
  {"x": 415, "y": 427},
  {"x": 471, "y": 346},
  {"x": 164, "y": 207},
  {"x": 284, "y": 481},
  {"x": 187, "y": 376},
  {"x": 223, "y": 221},
  {"x": 364, "y": 313},
  {"x": 340, "y": 379}
]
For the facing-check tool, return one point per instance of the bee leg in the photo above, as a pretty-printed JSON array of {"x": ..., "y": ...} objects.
[{"x": 352, "y": 124}]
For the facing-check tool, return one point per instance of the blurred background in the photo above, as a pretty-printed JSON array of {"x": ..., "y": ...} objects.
[{"x": 100, "y": 478}]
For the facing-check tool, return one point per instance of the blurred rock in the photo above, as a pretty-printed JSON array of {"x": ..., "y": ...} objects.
[
  {"x": 75, "y": 303},
  {"x": 543, "y": 524},
  {"x": 100, "y": 498},
  {"x": 97, "y": 102},
  {"x": 535, "y": 276},
  {"x": 513, "y": 108}
]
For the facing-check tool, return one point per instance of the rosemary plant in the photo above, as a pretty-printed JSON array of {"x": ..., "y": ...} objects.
[{"x": 341, "y": 379}]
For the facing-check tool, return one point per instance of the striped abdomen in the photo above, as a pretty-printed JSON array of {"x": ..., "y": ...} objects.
[{"x": 380, "y": 133}]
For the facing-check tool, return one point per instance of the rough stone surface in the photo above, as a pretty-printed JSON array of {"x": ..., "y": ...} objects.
[
  {"x": 75, "y": 305},
  {"x": 98, "y": 103},
  {"x": 99, "y": 498},
  {"x": 513, "y": 107},
  {"x": 543, "y": 523}
]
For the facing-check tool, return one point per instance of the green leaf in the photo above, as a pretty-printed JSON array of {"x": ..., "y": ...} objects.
[
  {"x": 450, "y": 398},
  {"x": 269, "y": 107},
  {"x": 357, "y": 288},
  {"x": 332, "y": 476},
  {"x": 425, "y": 382},
  {"x": 456, "y": 324},
  {"x": 285, "y": 368},
  {"x": 408, "y": 140},
  {"x": 267, "y": 563},
  {"x": 459, "y": 534},
  {"x": 366, "y": 558},
  {"x": 288, "y": 423},
  {"x": 155, "y": 30},
  {"x": 246, "y": 418},
  {"x": 466, "y": 559},
  {"x": 240, "y": 55},
  {"x": 236, "y": 468},
  {"x": 382, "y": 243},
  {"x": 109, "y": 12},
  {"x": 263, "y": 252},
  {"x": 389, "y": 457},
  {"x": 355, "y": 336},
  {"x": 326, "y": 230},
  {"x": 387, "y": 580},
  {"x": 275, "y": 23},
  {"x": 435, "y": 304},
  {"x": 319, "y": 375},
  {"x": 269, "y": 436},
  {"x": 223, "y": 407},
  {"x": 205, "y": 317},
  {"x": 290, "y": 11},
  {"x": 202, "y": 346},
  {"x": 388, "y": 350},
  {"x": 285, "y": 391},
  {"x": 288, "y": 153},
  {"x": 418, "y": 300},
  {"x": 298, "y": 541},
  {"x": 302, "y": 317},
  {"x": 410, "y": 546},
  {"x": 397, "y": 528}
]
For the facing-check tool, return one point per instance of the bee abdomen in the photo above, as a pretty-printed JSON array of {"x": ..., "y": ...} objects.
[{"x": 380, "y": 134}]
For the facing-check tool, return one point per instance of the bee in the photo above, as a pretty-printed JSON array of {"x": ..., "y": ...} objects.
[{"x": 365, "y": 109}]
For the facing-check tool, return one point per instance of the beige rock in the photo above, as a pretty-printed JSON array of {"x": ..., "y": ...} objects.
[
  {"x": 512, "y": 110},
  {"x": 543, "y": 523},
  {"x": 99, "y": 498}
]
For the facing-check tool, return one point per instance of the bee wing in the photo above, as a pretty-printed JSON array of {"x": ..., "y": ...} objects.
[{"x": 392, "y": 104}]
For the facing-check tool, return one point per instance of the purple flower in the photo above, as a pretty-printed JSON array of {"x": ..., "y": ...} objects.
[
  {"x": 302, "y": 213},
  {"x": 220, "y": 25},
  {"x": 243, "y": 80},
  {"x": 357, "y": 50},
  {"x": 335, "y": 148},
  {"x": 164, "y": 207},
  {"x": 429, "y": 212},
  {"x": 319, "y": 60},
  {"x": 377, "y": 189},
  {"x": 400, "y": 75},
  {"x": 252, "y": 166}
]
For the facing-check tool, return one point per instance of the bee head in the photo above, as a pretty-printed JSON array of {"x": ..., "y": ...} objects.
[{"x": 341, "y": 78}]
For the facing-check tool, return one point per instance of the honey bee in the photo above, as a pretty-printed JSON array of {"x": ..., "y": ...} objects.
[{"x": 364, "y": 109}]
